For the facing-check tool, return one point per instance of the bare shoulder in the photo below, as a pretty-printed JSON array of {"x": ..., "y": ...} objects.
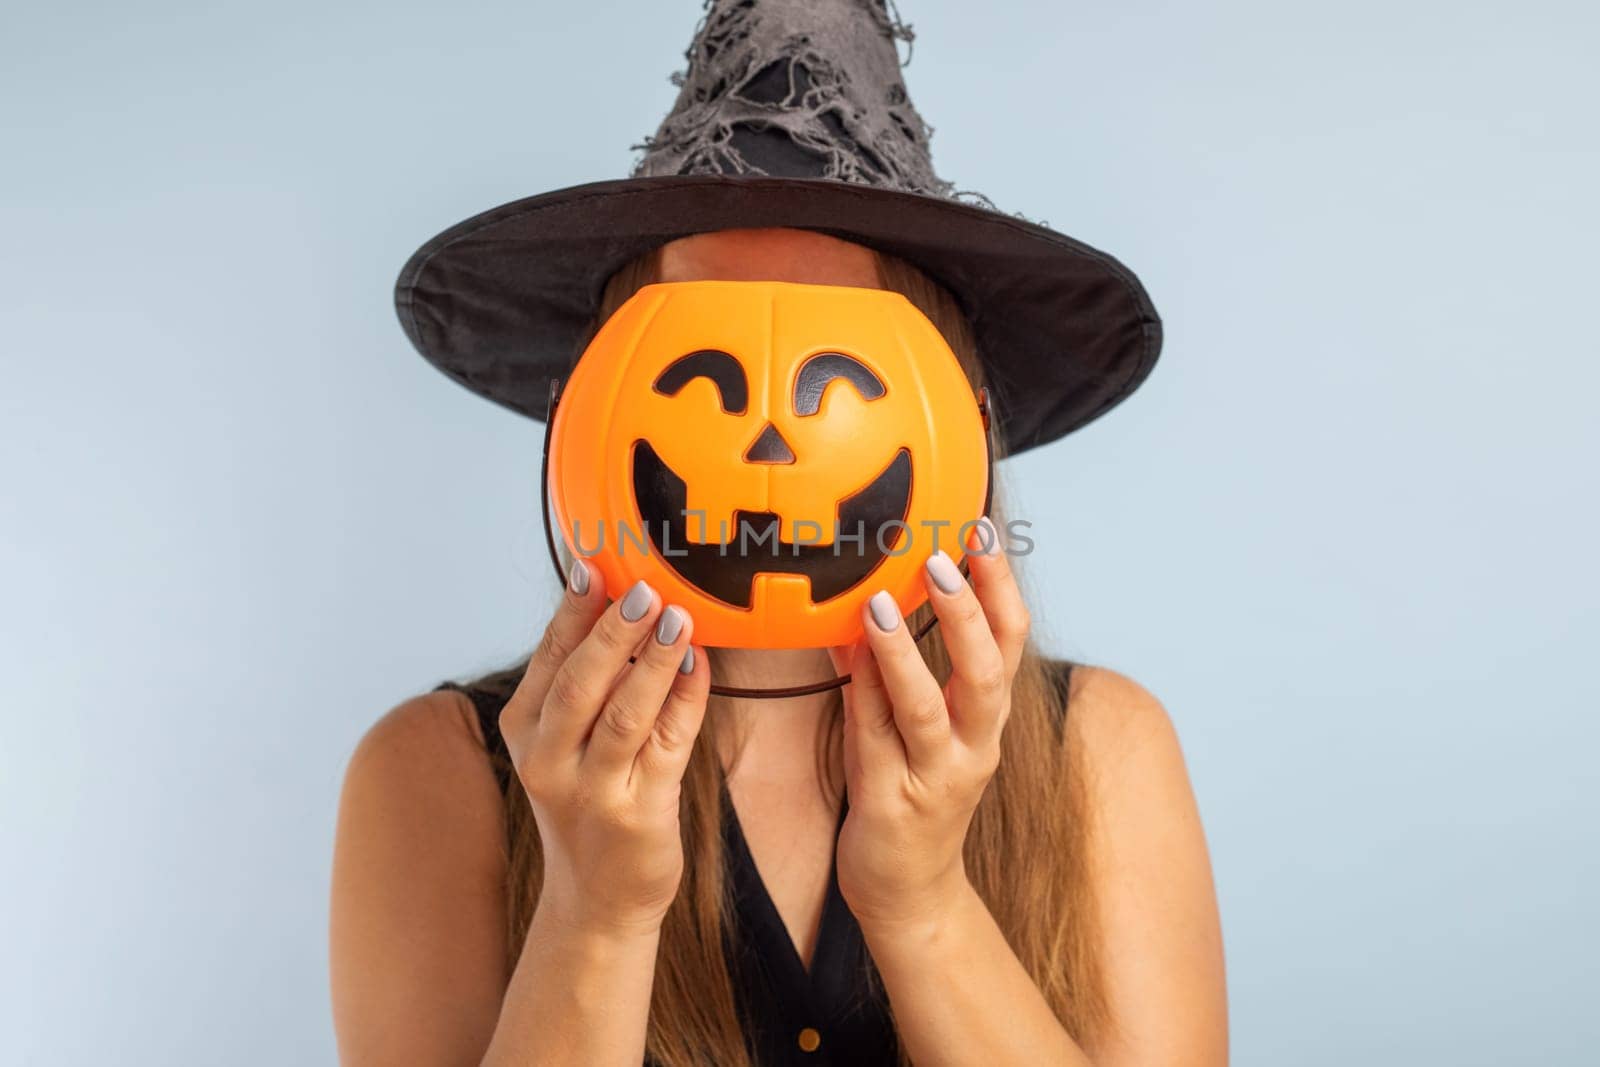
[
  {"x": 432, "y": 734},
  {"x": 1160, "y": 931},
  {"x": 1115, "y": 718},
  {"x": 1128, "y": 751},
  {"x": 418, "y": 895},
  {"x": 420, "y": 779}
]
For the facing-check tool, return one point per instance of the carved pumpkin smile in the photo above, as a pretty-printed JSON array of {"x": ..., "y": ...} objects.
[
  {"x": 771, "y": 453},
  {"x": 716, "y": 567}
]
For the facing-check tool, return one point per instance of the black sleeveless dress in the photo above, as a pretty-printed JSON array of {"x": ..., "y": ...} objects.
[{"x": 827, "y": 1016}]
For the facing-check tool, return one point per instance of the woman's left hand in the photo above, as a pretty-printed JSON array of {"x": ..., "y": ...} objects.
[{"x": 918, "y": 756}]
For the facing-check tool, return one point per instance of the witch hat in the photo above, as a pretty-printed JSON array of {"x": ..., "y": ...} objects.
[{"x": 791, "y": 113}]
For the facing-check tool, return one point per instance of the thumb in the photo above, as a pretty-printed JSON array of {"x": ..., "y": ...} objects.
[
  {"x": 840, "y": 655},
  {"x": 869, "y": 726}
]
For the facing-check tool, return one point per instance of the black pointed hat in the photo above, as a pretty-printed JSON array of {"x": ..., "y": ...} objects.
[{"x": 791, "y": 113}]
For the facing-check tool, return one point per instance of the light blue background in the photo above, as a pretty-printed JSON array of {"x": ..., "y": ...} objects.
[{"x": 1346, "y": 532}]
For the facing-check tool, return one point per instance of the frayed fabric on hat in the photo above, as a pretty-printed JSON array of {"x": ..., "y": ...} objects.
[{"x": 787, "y": 86}]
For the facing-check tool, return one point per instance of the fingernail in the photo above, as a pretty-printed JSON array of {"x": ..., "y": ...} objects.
[
  {"x": 945, "y": 574},
  {"x": 578, "y": 577},
  {"x": 670, "y": 626},
  {"x": 885, "y": 612},
  {"x": 687, "y": 666},
  {"x": 988, "y": 538},
  {"x": 637, "y": 602}
]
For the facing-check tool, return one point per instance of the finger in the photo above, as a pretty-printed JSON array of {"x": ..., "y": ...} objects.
[
  {"x": 630, "y": 712},
  {"x": 996, "y": 587},
  {"x": 978, "y": 678},
  {"x": 582, "y": 682},
  {"x": 873, "y": 748},
  {"x": 658, "y": 771},
  {"x": 581, "y": 604},
  {"x": 918, "y": 703}
]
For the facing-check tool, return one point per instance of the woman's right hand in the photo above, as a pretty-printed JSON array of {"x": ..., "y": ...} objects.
[{"x": 601, "y": 746}]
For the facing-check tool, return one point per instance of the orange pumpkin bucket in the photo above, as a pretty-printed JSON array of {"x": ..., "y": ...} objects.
[{"x": 767, "y": 455}]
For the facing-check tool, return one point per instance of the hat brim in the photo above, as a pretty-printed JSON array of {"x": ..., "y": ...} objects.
[{"x": 500, "y": 301}]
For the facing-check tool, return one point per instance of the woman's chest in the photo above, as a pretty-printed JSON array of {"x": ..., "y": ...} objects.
[
  {"x": 790, "y": 836},
  {"x": 821, "y": 1007}
]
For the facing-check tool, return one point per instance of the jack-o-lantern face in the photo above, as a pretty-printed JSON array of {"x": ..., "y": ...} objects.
[{"x": 767, "y": 455}]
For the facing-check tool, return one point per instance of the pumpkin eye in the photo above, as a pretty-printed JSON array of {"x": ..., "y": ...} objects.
[
  {"x": 723, "y": 371},
  {"x": 824, "y": 367}
]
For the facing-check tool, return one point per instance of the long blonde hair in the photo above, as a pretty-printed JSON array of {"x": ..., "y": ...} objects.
[{"x": 1025, "y": 852}]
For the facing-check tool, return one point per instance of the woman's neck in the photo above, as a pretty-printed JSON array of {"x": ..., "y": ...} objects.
[{"x": 778, "y": 736}]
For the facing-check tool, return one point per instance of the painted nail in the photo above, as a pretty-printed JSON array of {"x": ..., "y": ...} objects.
[
  {"x": 578, "y": 577},
  {"x": 687, "y": 666},
  {"x": 637, "y": 602},
  {"x": 670, "y": 626},
  {"x": 945, "y": 574},
  {"x": 988, "y": 538},
  {"x": 885, "y": 612}
]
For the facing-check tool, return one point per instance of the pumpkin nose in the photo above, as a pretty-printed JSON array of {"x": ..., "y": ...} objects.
[{"x": 769, "y": 447}]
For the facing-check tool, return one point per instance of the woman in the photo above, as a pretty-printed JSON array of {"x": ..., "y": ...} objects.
[{"x": 969, "y": 854}]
